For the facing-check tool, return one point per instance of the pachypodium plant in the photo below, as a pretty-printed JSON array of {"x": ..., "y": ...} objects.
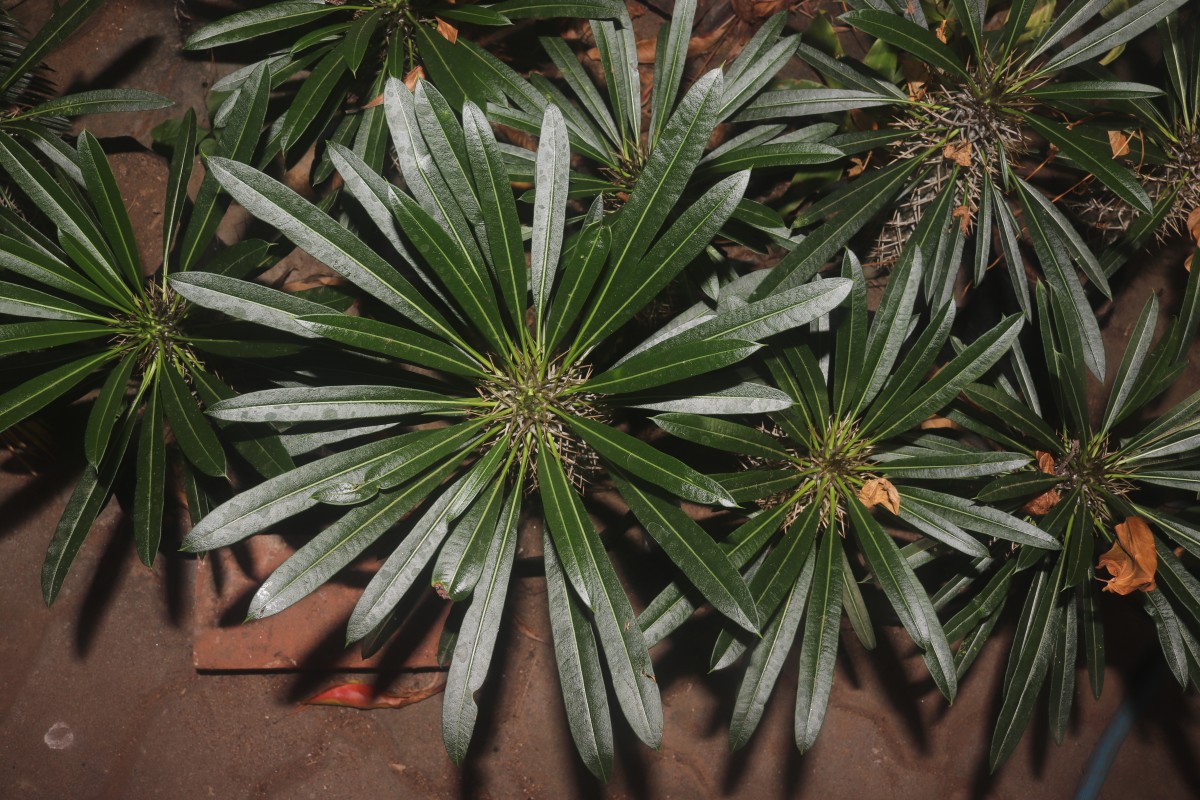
[
  {"x": 853, "y": 441},
  {"x": 1107, "y": 485},
  {"x": 1163, "y": 145},
  {"x": 94, "y": 319},
  {"x": 346, "y": 50},
  {"x": 964, "y": 134},
  {"x": 518, "y": 400},
  {"x": 605, "y": 123}
]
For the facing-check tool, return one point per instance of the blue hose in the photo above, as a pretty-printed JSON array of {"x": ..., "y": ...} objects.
[{"x": 1149, "y": 679}]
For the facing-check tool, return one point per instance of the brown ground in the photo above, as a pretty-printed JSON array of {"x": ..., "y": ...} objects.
[{"x": 98, "y": 697}]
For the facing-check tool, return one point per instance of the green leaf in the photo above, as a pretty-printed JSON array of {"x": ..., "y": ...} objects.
[
  {"x": 481, "y": 625},
  {"x": 22, "y": 301},
  {"x": 579, "y": 672},
  {"x": 693, "y": 550},
  {"x": 358, "y": 39},
  {"x": 24, "y": 337},
  {"x": 909, "y": 37},
  {"x": 391, "y": 340},
  {"x": 1096, "y": 160},
  {"x": 981, "y": 519},
  {"x": 742, "y": 398},
  {"x": 547, "y": 9},
  {"x": 328, "y": 552},
  {"x": 971, "y": 15},
  {"x": 151, "y": 479},
  {"x": 1066, "y": 22},
  {"x": 549, "y": 207},
  {"x": 499, "y": 211},
  {"x": 790, "y": 103},
  {"x": 314, "y": 93},
  {"x": 258, "y": 22},
  {"x": 195, "y": 437},
  {"x": 1093, "y": 90},
  {"x": 36, "y": 393},
  {"x": 110, "y": 208},
  {"x": 669, "y": 362},
  {"x": 247, "y": 300},
  {"x": 461, "y": 559},
  {"x": 87, "y": 498},
  {"x": 667, "y": 171},
  {"x": 1137, "y": 18},
  {"x": 1028, "y": 663},
  {"x": 646, "y": 462},
  {"x": 183, "y": 157},
  {"x": 106, "y": 409},
  {"x": 582, "y": 264},
  {"x": 1013, "y": 413},
  {"x": 399, "y": 572},
  {"x": 290, "y": 493},
  {"x": 314, "y": 404},
  {"x": 723, "y": 435},
  {"x": 325, "y": 240},
  {"x": 238, "y": 141},
  {"x": 949, "y": 466},
  {"x": 767, "y": 660},
  {"x": 818, "y": 651},
  {"x": 262, "y": 449},
  {"x": 1029, "y": 483},
  {"x": 1129, "y": 374},
  {"x": 627, "y": 289},
  {"x": 670, "y": 59}
]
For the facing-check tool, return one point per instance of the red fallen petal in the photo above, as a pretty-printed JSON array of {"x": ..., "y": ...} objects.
[{"x": 363, "y": 696}]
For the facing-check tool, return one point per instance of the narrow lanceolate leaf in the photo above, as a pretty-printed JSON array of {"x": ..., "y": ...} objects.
[
  {"x": 1129, "y": 373},
  {"x": 339, "y": 544},
  {"x": 636, "y": 457},
  {"x": 667, "y": 170},
  {"x": 776, "y": 313},
  {"x": 258, "y": 22},
  {"x": 693, "y": 550},
  {"x": 1028, "y": 663},
  {"x": 183, "y": 158},
  {"x": 314, "y": 404},
  {"x": 971, "y": 14},
  {"x": 1095, "y": 159},
  {"x": 723, "y": 435},
  {"x": 110, "y": 208},
  {"x": 462, "y": 559},
  {"x": 22, "y": 301},
  {"x": 672, "y": 361},
  {"x": 670, "y": 57},
  {"x": 399, "y": 572},
  {"x": 581, "y": 268},
  {"x": 90, "y": 493},
  {"x": 391, "y": 340},
  {"x": 35, "y": 394},
  {"x": 325, "y": 240},
  {"x": 629, "y": 288},
  {"x": 818, "y": 650},
  {"x": 26, "y": 337},
  {"x": 767, "y": 660},
  {"x": 151, "y": 479},
  {"x": 1137, "y": 18},
  {"x": 979, "y": 518},
  {"x": 477, "y": 635},
  {"x": 579, "y": 671},
  {"x": 566, "y": 520},
  {"x": 499, "y": 209},
  {"x": 909, "y": 37},
  {"x": 106, "y": 409},
  {"x": 549, "y": 206},
  {"x": 789, "y": 103},
  {"x": 193, "y": 433},
  {"x": 39, "y": 265},
  {"x": 290, "y": 493}
]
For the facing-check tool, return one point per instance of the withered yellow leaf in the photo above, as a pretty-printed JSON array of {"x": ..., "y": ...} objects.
[
  {"x": 1040, "y": 506},
  {"x": 880, "y": 492},
  {"x": 1132, "y": 561},
  {"x": 448, "y": 31}
]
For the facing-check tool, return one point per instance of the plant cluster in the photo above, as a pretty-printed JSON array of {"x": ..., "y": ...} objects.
[{"x": 521, "y": 329}]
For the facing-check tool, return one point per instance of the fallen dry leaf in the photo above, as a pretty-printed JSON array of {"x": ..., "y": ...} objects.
[
  {"x": 754, "y": 11},
  {"x": 1132, "y": 560},
  {"x": 958, "y": 152},
  {"x": 448, "y": 31},
  {"x": 880, "y": 492},
  {"x": 1193, "y": 223},
  {"x": 364, "y": 697},
  {"x": 940, "y": 33},
  {"x": 934, "y": 422},
  {"x": 645, "y": 50},
  {"x": 1040, "y": 506},
  {"x": 857, "y": 165},
  {"x": 963, "y": 215},
  {"x": 1119, "y": 142},
  {"x": 415, "y": 74},
  {"x": 916, "y": 90}
]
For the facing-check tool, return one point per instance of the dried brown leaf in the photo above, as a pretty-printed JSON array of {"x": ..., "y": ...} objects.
[
  {"x": 1132, "y": 561},
  {"x": 880, "y": 492}
]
